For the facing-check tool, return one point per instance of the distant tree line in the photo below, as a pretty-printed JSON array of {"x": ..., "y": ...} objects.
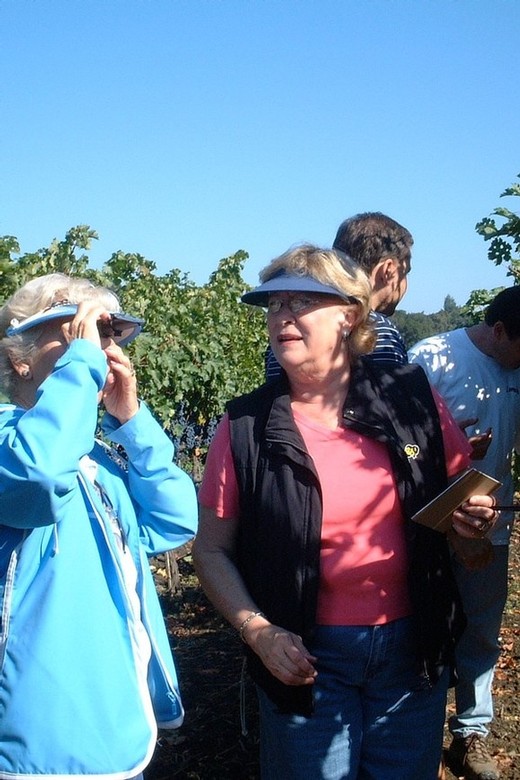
[
  {"x": 417, "y": 326},
  {"x": 503, "y": 235}
]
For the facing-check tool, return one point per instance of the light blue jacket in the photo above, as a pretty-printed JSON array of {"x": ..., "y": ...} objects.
[{"x": 70, "y": 698}]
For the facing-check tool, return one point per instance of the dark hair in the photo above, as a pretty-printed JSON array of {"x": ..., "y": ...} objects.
[
  {"x": 505, "y": 308},
  {"x": 370, "y": 237}
]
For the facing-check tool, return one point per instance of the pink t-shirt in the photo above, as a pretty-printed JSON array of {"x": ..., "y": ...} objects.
[{"x": 363, "y": 564}]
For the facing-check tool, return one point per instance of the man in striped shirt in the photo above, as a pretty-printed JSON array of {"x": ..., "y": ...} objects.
[{"x": 382, "y": 247}]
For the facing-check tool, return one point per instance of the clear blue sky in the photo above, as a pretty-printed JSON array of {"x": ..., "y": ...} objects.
[{"x": 189, "y": 129}]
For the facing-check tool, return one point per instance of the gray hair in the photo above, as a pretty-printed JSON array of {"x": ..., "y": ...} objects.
[{"x": 35, "y": 296}]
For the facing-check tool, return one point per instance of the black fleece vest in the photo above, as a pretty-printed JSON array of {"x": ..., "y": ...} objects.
[{"x": 278, "y": 551}]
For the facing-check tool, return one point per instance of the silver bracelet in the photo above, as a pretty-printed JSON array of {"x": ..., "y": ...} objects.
[{"x": 246, "y": 622}]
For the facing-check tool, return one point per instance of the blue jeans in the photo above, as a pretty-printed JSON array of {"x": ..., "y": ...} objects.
[
  {"x": 484, "y": 595},
  {"x": 374, "y": 719}
]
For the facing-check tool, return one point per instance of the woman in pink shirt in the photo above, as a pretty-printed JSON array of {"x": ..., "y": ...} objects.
[{"x": 306, "y": 545}]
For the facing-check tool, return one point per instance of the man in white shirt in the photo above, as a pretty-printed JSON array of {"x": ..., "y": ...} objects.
[{"x": 477, "y": 371}]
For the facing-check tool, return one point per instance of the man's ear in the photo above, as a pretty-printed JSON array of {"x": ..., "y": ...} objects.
[
  {"x": 499, "y": 330},
  {"x": 383, "y": 273},
  {"x": 390, "y": 268}
]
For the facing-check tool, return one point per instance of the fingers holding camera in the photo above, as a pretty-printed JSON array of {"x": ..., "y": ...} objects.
[
  {"x": 84, "y": 324},
  {"x": 120, "y": 391}
]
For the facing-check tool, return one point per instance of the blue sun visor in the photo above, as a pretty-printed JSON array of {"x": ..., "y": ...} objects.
[{"x": 122, "y": 328}]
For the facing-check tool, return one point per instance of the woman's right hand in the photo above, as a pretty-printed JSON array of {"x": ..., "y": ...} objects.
[
  {"x": 282, "y": 652},
  {"x": 214, "y": 550},
  {"x": 84, "y": 324}
]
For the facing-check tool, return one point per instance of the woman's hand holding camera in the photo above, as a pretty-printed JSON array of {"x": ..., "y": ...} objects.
[{"x": 120, "y": 391}]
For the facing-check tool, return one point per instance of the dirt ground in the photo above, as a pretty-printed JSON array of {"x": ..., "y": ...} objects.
[{"x": 216, "y": 742}]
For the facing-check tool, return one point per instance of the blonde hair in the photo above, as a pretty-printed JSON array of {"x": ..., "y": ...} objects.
[
  {"x": 335, "y": 269},
  {"x": 35, "y": 296}
]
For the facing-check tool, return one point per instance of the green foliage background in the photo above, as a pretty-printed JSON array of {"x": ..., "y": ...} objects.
[{"x": 201, "y": 346}]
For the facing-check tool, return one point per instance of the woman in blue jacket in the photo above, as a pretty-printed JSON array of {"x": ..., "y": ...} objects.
[{"x": 86, "y": 672}]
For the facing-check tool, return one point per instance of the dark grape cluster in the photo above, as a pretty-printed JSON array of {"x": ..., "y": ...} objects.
[{"x": 191, "y": 440}]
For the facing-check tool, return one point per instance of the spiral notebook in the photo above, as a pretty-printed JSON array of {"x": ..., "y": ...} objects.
[{"x": 437, "y": 513}]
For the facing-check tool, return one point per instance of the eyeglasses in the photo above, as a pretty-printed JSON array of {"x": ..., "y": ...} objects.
[{"x": 298, "y": 304}]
